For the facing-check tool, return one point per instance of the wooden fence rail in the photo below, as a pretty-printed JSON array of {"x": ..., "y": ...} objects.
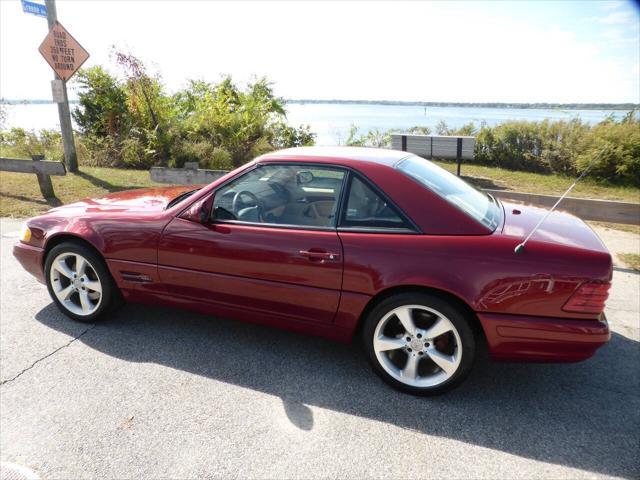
[{"x": 43, "y": 169}]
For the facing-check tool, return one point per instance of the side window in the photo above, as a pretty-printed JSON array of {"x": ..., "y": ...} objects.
[
  {"x": 282, "y": 195},
  {"x": 367, "y": 209}
]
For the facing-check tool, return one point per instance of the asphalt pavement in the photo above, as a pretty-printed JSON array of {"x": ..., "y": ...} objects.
[{"x": 153, "y": 392}]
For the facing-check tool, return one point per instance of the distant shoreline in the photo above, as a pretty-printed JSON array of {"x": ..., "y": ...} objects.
[
  {"x": 538, "y": 106},
  {"x": 509, "y": 105}
]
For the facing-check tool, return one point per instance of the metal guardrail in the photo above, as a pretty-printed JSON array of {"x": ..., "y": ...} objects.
[
  {"x": 436, "y": 146},
  {"x": 43, "y": 169}
]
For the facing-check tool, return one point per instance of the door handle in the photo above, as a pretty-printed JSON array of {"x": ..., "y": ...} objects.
[{"x": 319, "y": 256}]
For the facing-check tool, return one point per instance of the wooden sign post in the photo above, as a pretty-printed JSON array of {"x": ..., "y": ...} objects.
[{"x": 66, "y": 56}]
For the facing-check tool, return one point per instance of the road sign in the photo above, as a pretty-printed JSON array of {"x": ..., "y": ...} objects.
[
  {"x": 34, "y": 8},
  {"x": 57, "y": 91},
  {"x": 63, "y": 52}
]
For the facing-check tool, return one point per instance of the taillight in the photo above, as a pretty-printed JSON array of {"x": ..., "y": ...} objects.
[{"x": 588, "y": 298}]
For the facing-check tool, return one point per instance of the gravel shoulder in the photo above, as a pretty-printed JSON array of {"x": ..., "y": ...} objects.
[{"x": 619, "y": 242}]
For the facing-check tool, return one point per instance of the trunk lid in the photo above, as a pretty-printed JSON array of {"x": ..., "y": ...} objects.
[{"x": 560, "y": 228}]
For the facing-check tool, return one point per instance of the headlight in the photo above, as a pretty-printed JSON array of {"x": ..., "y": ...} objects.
[{"x": 25, "y": 233}]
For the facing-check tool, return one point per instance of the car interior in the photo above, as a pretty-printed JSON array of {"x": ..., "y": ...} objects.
[{"x": 295, "y": 195}]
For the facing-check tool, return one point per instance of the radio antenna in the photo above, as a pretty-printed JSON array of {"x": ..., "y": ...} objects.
[{"x": 520, "y": 247}]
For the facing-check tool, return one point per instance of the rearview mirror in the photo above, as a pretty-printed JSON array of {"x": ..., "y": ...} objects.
[{"x": 303, "y": 177}]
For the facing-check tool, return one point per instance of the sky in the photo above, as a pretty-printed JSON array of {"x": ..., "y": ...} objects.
[{"x": 502, "y": 51}]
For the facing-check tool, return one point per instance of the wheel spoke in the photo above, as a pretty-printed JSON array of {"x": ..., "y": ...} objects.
[
  {"x": 62, "y": 267},
  {"x": 417, "y": 343},
  {"x": 404, "y": 315},
  {"x": 445, "y": 362},
  {"x": 410, "y": 370},
  {"x": 81, "y": 265},
  {"x": 440, "y": 327},
  {"x": 65, "y": 293},
  {"x": 85, "y": 302},
  {"x": 384, "y": 343},
  {"x": 93, "y": 285}
]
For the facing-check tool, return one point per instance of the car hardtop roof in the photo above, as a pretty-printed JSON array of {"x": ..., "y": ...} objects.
[{"x": 355, "y": 154}]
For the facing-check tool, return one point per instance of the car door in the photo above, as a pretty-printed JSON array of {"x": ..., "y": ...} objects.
[{"x": 270, "y": 245}]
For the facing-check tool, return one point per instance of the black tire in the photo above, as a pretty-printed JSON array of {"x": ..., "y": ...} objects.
[
  {"x": 454, "y": 314},
  {"x": 109, "y": 295}
]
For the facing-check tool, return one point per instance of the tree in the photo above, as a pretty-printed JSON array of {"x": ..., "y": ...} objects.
[{"x": 102, "y": 110}]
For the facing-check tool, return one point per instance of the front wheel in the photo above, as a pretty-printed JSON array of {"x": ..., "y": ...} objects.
[
  {"x": 78, "y": 281},
  {"x": 419, "y": 343}
]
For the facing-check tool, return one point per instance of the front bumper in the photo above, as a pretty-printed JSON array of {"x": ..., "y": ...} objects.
[
  {"x": 541, "y": 339},
  {"x": 31, "y": 259}
]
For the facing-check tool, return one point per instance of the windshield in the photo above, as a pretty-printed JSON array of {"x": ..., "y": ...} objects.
[
  {"x": 480, "y": 206},
  {"x": 180, "y": 197}
]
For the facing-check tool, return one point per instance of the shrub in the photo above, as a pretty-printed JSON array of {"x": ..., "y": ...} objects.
[
  {"x": 373, "y": 138},
  {"x": 207, "y": 155},
  {"x": 285, "y": 136},
  {"x": 21, "y": 143},
  {"x": 102, "y": 104},
  {"x": 614, "y": 150},
  {"x": 563, "y": 147},
  {"x": 133, "y": 122}
]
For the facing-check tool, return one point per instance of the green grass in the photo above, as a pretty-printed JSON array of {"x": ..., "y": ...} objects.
[
  {"x": 632, "y": 260},
  {"x": 499, "y": 178},
  {"x": 20, "y": 196},
  {"x": 618, "y": 226}
]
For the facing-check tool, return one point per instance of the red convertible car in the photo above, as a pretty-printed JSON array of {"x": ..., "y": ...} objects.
[{"x": 377, "y": 245}]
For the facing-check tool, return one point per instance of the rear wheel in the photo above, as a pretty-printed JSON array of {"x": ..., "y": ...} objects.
[
  {"x": 78, "y": 281},
  {"x": 419, "y": 343}
]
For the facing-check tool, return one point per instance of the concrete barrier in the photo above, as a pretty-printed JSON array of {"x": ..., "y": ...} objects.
[
  {"x": 586, "y": 209},
  {"x": 190, "y": 175}
]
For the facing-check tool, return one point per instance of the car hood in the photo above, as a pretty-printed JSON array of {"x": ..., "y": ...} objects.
[
  {"x": 140, "y": 200},
  {"x": 560, "y": 228}
]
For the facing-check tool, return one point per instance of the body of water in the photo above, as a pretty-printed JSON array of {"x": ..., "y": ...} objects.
[{"x": 331, "y": 122}]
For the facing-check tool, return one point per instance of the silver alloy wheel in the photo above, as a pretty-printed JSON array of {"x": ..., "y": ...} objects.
[
  {"x": 421, "y": 346},
  {"x": 76, "y": 284}
]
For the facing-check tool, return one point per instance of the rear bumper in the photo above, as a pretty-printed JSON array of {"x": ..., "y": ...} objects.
[
  {"x": 31, "y": 259},
  {"x": 538, "y": 339}
]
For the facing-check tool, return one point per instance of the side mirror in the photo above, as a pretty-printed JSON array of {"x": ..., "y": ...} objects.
[
  {"x": 199, "y": 211},
  {"x": 303, "y": 177},
  {"x": 204, "y": 214}
]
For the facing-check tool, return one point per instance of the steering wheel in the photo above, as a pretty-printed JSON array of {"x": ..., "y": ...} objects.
[{"x": 237, "y": 200}]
